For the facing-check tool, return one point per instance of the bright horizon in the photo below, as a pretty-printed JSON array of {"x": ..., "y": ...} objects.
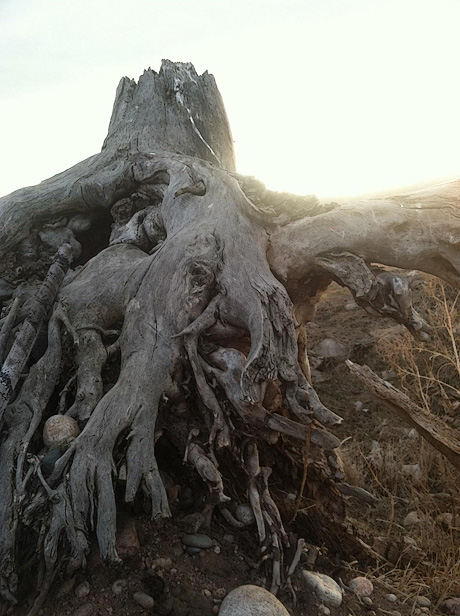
[{"x": 331, "y": 97}]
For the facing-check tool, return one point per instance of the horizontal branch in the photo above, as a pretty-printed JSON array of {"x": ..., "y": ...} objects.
[
  {"x": 431, "y": 427},
  {"x": 419, "y": 230}
]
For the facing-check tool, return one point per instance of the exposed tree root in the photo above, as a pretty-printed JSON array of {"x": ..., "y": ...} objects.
[{"x": 187, "y": 300}]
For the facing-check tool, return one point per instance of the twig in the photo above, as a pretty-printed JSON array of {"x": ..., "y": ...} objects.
[{"x": 304, "y": 474}]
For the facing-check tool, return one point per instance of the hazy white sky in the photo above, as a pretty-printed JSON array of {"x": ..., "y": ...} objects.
[{"x": 334, "y": 97}]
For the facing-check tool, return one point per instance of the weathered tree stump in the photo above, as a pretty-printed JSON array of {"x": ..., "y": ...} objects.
[{"x": 197, "y": 297}]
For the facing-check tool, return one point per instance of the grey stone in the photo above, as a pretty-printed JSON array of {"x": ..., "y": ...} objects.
[
  {"x": 361, "y": 586},
  {"x": 118, "y": 585},
  {"x": 245, "y": 514},
  {"x": 331, "y": 349},
  {"x": 83, "y": 589},
  {"x": 452, "y": 606},
  {"x": 412, "y": 519},
  {"x": 192, "y": 551},
  {"x": 144, "y": 600},
  {"x": 367, "y": 601},
  {"x": 251, "y": 600},
  {"x": 325, "y": 588},
  {"x": 423, "y": 601},
  {"x": 197, "y": 541},
  {"x": 49, "y": 461},
  {"x": 391, "y": 598}
]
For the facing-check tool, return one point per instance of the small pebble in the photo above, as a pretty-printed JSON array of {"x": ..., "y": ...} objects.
[
  {"x": 452, "y": 606},
  {"x": 422, "y": 601},
  {"x": 207, "y": 592},
  {"x": 144, "y": 600},
  {"x": 220, "y": 593},
  {"x": 412, "y": 519},
  {"x": 118, "y": 585},
  {"x": 162, "y": 563},
  {"x": 361, "y": 586},
  {"x": 359, "y": 405},
  {"x": 325, "y": 588},
  {"x": 245, "y": 514},
  {"x": 324, "y": 610},
  {"x": 391, "y": 598},
  {"x": 192, "y": 551},
  {"x": 367, "y": 600},
  {"x": 217, "y": 549},
  {"x": 197, "y": 541},
  {"x": 351, "y": 306},
  {"x": 49, "y": 461},
  {"x": 251, "y": 600},
  {"x": 83, "y": 589}
]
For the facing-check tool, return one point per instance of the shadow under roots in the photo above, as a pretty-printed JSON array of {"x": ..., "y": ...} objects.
[{"x": 96, "y": 238}]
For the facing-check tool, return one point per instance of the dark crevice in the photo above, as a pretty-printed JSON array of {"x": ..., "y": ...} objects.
[{"x": 96, "y": 238}]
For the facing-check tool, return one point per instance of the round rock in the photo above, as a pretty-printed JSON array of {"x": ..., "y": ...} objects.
[
  {"x": 251, "y": 600},
  {"x": 325, "y": 588},
  {"x": 118, "y": 585},
  {"x": 423, "y": 601},
  {"x": 245, "y": 514},
  {"x": 59, "y": 430},
  {"x": 49, "y": 461},
  {"x": 144, "y": 600},
  {"x": 83, "y": 589},
  {"x": 361, "y": 586},
  {"x": 197, "y": 541}
]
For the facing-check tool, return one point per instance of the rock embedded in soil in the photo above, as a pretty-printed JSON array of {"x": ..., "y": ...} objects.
[
  {"x": 245, "y": 514},
  {"x": 452, "y": 606},
  {"x": 423, "y": 601},
  {"x": 251, "y": 600},
  {"x": 59, "y": 430},
  {"x": 197, "y": 541},
  {"x": 192, "y": 551},
  {"x": 83, "y": 589},
  {"x": 118, "y": 586},
  {"x": 325, "y": 588},
  {"x": 144, "y": 600},
  {"x": 412, "y": 519},
  {"x": 328, "y": 348},
  {"x": 361, "y": 586},
  {"x": 391, "y": 598}
]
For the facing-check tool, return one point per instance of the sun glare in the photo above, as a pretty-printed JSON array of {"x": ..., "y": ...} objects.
[{"x": 362, "y": 98}]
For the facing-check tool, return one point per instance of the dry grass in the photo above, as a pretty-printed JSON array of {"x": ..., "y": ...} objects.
[{"x": 405, "y": 470}]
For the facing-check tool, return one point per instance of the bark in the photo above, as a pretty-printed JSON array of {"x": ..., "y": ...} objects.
[{"x": 199, "y": 300}]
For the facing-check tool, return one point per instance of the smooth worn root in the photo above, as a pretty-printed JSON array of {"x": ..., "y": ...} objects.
[{"x": 90, "y": 359}]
